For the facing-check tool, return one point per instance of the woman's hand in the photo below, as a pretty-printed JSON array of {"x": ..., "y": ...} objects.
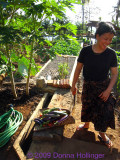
[
  {"x": 76, "y": 75},
  {"x": 104, "y": 95}
]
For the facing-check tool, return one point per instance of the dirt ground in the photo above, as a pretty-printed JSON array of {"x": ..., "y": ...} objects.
[
  {"x": 73, "y": 141},
  {"x": 24, "y": 104},
  {"x": 91, "y": 136}
]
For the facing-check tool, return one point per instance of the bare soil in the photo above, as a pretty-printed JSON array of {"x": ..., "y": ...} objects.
[{"x": 24, "y": 104}]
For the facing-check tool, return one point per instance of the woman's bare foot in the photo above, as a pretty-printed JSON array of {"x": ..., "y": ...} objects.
[
  {"x": 105, "y": 140},
  {"x": 83, "y": 126}
]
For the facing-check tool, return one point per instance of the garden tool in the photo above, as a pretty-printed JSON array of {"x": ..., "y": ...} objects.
[{"x": 74, "y": 96}]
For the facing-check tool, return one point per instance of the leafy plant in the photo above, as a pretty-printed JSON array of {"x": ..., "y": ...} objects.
[
  {"x": 118, "y": 80},
  {"x": 3, "y": 64},
  {"x": 23, "y": 66},
  {"x": 10, "y": 35},
  {"x": 65, "y": 48},
  {"x": 63, "y": 70},
  {"x": 86, "y": 40},
  {"x": 20, "y": 33}
]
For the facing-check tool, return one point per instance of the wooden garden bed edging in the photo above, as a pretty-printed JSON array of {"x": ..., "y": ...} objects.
[
  {"x": 37, "y": 75},
  {"x": 43, "y": 83}
]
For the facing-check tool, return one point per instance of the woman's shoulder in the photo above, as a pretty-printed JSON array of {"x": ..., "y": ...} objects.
[
  {"x": 110, "y": 50},
  {"x": 87, "y": 48}
]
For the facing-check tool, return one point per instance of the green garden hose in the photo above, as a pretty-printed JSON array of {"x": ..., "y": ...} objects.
[{"x": 9, "y": 123}]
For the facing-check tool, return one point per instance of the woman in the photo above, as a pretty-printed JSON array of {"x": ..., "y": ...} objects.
[{"x": 97, "y": 101}]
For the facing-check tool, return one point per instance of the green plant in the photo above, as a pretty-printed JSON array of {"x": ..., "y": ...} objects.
[
  {"x": 86, "y": 40},
  {"x": 63, "y": 70},
  {"x": 21, "y": 31},
  {"x": 118, "y": 80},
  {"x": 65, "y": 48},
  {"x": 3, "y": 64}
]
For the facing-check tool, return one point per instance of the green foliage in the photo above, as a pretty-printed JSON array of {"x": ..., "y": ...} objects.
[
  {"x": 3, "y": 63},
  {"x": 118, "y": 55},
  {"x": 86, "y": 40},
  {"x": 63, "y": 70},
  {"x": 118, "y": 80},
  {"x": 3, "y": 59},
  {"x": 21, "y": 33},
  {"x": 21, "y": 61},
  {"x": 23, "y": 66},
  {"x": 10, "y": 35},
  {"x": 65, "y": 48}
]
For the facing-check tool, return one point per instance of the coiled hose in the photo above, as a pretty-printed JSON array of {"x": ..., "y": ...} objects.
[{"x": 9, "y": 123}]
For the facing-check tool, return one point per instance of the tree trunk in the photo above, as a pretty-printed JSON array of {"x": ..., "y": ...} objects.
[
  {"x": 29, "y": 70},
  {"x": 11, "y": 73}
]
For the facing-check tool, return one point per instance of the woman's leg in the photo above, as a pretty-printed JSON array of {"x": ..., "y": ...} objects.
[
  {"x": 86, "y": 125},
  {"x": 83, "y": 126},
  {"x": 105, "y": 139}
]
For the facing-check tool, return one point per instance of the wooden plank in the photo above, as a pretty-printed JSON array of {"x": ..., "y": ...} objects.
[
  {"x": 27, "y": 129},
  {"x": 50, "y": 82},
  {"x": 62, "y": 83},
  {"x": 63, "y": 99}
]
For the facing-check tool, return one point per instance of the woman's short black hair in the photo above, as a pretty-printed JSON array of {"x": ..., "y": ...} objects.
[{"x": 105, "y": 27}]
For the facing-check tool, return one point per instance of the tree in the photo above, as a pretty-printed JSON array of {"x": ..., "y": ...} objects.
[
  {"x": 37, "y": 13},
  {"x": 19, "y": 27},
  {"x": 9, "y": 35},
  {"x": 117, "y": 12},
  {"x": 83, "y": 14}
]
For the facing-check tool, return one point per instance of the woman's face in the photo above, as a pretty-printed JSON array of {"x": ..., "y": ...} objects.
[{"x": 104, "y": 40}]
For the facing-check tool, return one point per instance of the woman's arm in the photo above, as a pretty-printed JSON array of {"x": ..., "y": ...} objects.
[
  {"x": 114, "y": 73},
  {"x": 76, "y": 75}
]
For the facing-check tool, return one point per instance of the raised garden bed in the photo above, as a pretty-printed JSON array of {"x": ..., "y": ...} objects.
[
  {"x": 51, "y": 69},
  {"x": 21, "y": 143},
  {"x": 28, "y": 106},
  {"x": 61, "y": 99}
]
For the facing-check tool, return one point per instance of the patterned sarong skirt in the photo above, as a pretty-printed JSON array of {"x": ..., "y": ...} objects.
[{"x": 94, "y": 109}]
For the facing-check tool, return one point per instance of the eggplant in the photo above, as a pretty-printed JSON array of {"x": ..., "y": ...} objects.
[
  {"x": 54, "y": 119},
  {"x": 46, "y": 118},
  {"x": 51, "y": 115},
  {"x": 37, "y": 121},
  {"x": 62, "y": 119}
]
